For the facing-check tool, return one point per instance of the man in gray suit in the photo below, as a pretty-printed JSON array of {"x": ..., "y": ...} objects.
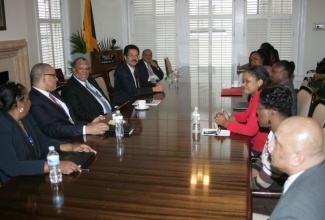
[{"x": 298, "y": 150}]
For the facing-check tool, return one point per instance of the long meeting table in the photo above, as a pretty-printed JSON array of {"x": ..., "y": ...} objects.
[{"x": 159, "y": 172}]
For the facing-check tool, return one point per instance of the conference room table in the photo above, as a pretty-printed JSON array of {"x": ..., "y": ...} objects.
[{"x": 158, "y": 172}]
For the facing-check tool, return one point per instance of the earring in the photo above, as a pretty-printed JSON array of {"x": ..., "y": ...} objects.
[
  {"x": 269, "y": 124},
  {"x": 21, "y": 110}
]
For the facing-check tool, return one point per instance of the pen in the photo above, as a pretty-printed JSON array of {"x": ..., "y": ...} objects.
[{"x": 85, "y": 170}]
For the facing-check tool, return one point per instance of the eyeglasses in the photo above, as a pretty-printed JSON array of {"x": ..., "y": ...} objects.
[
  {"x": 54, "y": 75},
  {"x": 81, "y": 69},
  {"x": 133, "y": 55}
]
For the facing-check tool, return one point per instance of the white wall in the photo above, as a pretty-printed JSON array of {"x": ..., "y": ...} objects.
[{"x": 314, "y": 40}]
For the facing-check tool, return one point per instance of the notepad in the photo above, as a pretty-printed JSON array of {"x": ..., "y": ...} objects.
[
  {"x": 153, "y": 103},
  {"x": 80, "y": 158},
  {"x": 128, "y": 129}
]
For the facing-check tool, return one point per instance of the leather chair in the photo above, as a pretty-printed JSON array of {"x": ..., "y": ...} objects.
[
  {"x": 103, "y": 83},
  {"x": 168, "y": 66},
  {"x": 305, "y": 100},
  {"x": 319, "y": 112},
  {"x": 60, "y": 76}
]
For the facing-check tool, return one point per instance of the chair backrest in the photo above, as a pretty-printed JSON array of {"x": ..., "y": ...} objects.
[
  {"x": 305, "y": 82},
  {"x": 319, "y": 112},
  {"x": 60, "y": 88},
  {"x": 168, "y": 66},
  {"x": 305, "y": 98},
  {"x": 59, "y": 75},
  {"x": 111, "y": 75},
  {"x": 101, "y": 79}
]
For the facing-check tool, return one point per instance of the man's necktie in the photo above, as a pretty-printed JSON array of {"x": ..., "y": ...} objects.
[
  {"x": 58, "y": 104},
  {"x": 151, "y": 74},
  {"x": 136, "y": 79},
  {"x": 99, "y": 96}
]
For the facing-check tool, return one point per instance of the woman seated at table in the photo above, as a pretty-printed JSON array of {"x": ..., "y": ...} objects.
[
  {"x": 274, "y": 106},
  {"x": 254, "y": 80},
  {"x": 262, "y": 58},
  {"x": 282, "y": 74},
  {"x": 22, "y": 142}
]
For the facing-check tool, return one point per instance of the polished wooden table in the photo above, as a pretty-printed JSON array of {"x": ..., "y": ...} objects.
[{"x": 161, "y": 173}]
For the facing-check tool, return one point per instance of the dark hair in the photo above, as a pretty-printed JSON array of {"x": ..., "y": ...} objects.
[
  {"x": 10, "y": 94},
  {"x": 274, "y": 56},
  {"x": 259, "y": 72},
  {"x": 277, "y": 98},
  {"x": 267, "y": 46},
  {"x": 73, "y": 64},
  {"x": 129, "y": 47},
  {"x": 265, "y": 56},
  {"x": 287, "y": 66}
]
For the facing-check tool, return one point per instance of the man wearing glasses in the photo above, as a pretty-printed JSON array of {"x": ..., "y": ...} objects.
[
  {"x": 51, "y": 112},
  {"x": 127, "y": 82},
  {"x": 85, "y": 97}
]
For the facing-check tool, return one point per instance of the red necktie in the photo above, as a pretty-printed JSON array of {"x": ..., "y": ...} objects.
[
  {"x": 136, "y": 79},
  {"x": 56, "y": 102}
]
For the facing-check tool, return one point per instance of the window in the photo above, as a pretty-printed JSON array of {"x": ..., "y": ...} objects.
[
  {"x": 50, "y": 31},
  {"x": 270, "y": 21},
  {"x": 155, "y": 28}
]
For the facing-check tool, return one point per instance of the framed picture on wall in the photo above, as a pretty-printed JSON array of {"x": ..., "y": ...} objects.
[{"x": 2, "y": 16}]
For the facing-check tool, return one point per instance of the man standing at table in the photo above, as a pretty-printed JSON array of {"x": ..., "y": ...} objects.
[
  {"x": 127, "y": 83},
  {"x": 86, "y": 99},
  {"x": 298, "y": 150},
  {"x": 52, "y": 114},
  {"x": 150, "y": 72}
]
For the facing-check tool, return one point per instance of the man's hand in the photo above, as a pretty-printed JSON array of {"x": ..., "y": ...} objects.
[
  {"x": 96, "y": 128},
  {"x": 159, "y": 87}
]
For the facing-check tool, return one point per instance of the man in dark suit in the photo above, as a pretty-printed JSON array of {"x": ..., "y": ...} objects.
[
  {"x": 298, "y": 150},
  {"x": 150, "y": 72},
  {"x": 52, "y": 114},
  {"x": 127, "y": 82},
  {"x": 82, "y": 93}
]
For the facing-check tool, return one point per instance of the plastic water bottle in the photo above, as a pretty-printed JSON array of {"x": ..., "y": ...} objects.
[
  {"x": 53, "y": 160},
  {"x": 196, "y": 124},
  {"x": 118, "y": 120},
  {"x": 119, "y": 148}
]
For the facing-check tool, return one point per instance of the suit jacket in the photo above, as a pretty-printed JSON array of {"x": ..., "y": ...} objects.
[
  {"x": 144, "y": 75},
  {"x": 83, "y": 104},
  {"x": 124, "y": 87},
  {"x": 305, "y": 198},
  {"x": 51, "y": 119},
  {"x": 17, "y": 155}
]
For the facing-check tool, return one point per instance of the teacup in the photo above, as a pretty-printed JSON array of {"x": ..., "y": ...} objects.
[
  {"x": 141, "y": 114},
  {"x": 141, "y": 104}
]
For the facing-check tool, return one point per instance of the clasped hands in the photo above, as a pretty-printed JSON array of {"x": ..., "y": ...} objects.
[{"x": 222, "y": 118}]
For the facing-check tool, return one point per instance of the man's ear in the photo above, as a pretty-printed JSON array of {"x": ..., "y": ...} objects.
[{"x": 297, "y": 158}]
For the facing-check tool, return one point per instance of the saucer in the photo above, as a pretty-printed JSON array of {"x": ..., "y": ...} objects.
[{"x": 145, "y": 108}]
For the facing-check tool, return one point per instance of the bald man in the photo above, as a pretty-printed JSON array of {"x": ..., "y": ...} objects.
[{"x": 298, "y": 150}]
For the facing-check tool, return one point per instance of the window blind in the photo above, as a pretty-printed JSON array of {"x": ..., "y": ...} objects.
[
  {"x": 155, "y": 28},
  {"x": 269, "y": 21},
  {"x": 50, "y": 32}
]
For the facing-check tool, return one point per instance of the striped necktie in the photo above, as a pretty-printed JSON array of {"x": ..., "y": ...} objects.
[{"x": 102, "y": 99}]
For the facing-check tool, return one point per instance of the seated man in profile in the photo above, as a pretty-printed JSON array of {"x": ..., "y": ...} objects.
[
  {"x": 52, "y": 114},
  {"x": 82, "y": 93},
  {"x": 150, "y": 72},
  {"x": 127, "y": 83},
  {"x": 298, "y": 150}
]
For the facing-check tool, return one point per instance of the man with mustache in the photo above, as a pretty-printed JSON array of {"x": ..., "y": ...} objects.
[{"x": 127, "y": 83}]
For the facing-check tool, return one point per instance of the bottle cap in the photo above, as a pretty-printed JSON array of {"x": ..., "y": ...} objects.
[{"x": 51, "y": 148}]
